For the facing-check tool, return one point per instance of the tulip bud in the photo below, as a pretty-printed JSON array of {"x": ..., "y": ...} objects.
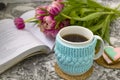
[
  {"x": 40, "y": 12},
  {"x": 19, "y": 22},
  {"x": 55, "y": 8}
]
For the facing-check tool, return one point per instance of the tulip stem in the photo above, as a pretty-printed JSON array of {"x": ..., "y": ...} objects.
[
  {"x": 66, "y": 16},
  {"x": 30, "y": 19},
  {"x": 57, "y": 25}
]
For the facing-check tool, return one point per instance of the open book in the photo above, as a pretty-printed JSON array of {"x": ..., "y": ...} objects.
[{"x": 16, "y": 45}]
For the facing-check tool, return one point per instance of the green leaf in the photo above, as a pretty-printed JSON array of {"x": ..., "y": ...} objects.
[
  {"x": 74, "y": 14},
  {"x": 90, "y": 16},
  {"x": 88, "y": 23},
  {"x": 78, "y": 1},
  {"x": 82, "y": 1},
  {"x": 72, "y": 21},
  {"x": 106, "y": 25},
  {"x": 106, "y": 29},
  {"x": 98, "y": 26},
  {"x": 80, "y": 23},
  {"x": 59, "y": 18},
  {"x": 107, "y": 35},
  {"x": 85, "y": 10},
  {"x": 67, "y": 9},
  {"x": 95, "y": 4}
]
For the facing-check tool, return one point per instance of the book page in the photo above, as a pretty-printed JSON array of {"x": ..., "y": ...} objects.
[
  {"x": 14, "y": 43},
  {"x": 31, "y": 27}
]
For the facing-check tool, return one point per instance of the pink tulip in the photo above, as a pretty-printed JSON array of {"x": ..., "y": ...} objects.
[
  {"x": 19, "y": 22},
  {"x": 40, "y": 12},
  {"x": 48, "y": 26},
  {"x": 51, "y": 33},
  {"x": 55, "y": 8},
  {"x": 49, "y": 22}
]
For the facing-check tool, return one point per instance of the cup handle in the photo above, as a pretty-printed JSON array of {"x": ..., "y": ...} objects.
[{"x": 101, "y": 47}]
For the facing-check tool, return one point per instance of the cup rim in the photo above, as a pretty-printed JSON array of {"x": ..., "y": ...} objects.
[{"x": 76, "y": 43}]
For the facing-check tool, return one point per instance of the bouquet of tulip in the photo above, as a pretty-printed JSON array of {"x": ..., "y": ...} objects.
[
  {"x": 86, "y": 13},
  {"x": 45, "y": 17}
]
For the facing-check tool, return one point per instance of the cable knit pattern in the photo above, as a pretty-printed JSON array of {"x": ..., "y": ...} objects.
[{"x": 74, "y": 60}]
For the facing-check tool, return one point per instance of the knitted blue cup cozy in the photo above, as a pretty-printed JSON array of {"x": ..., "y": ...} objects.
[{"x": 74, "y": 60}]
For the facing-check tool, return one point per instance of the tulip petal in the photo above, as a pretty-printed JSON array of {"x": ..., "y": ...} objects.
[{"x": 19, "y": 22}]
